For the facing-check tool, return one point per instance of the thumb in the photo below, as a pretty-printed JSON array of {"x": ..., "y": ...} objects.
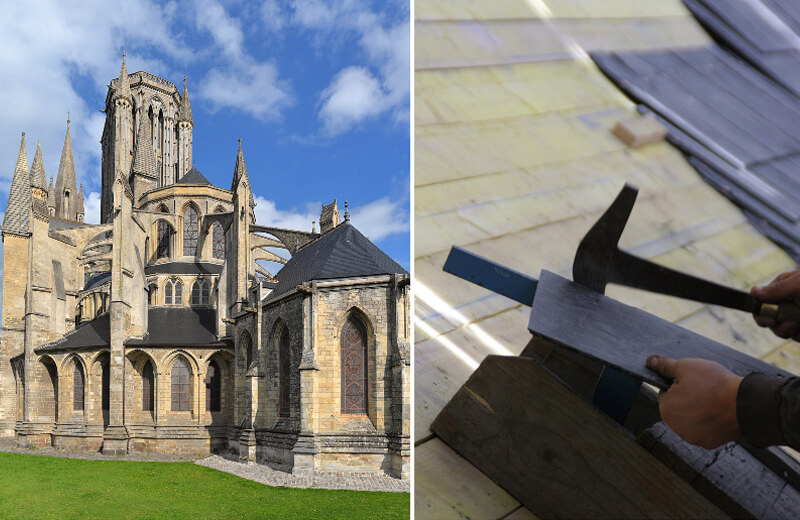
[
  {"x": 666, "y": 366},
  {"x": 781, "y": 290}
]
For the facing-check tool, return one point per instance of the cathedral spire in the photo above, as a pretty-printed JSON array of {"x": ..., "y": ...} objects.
[
  {"x": 51, "y": 198},
  {"x": 66, "y": 185},
  {"x": 144, "y": 158},
  {"x": 185, "y": 111},
  {"x": 17, "y": 219},
  {"x": 123, "y": 84},
  {"x": 79, "y": 211},
  {"x": 240, "y": 175},
  {"x": 38, "y": 177}
]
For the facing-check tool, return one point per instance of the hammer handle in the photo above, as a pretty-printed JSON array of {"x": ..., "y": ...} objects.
[{"x": 779, "y": 311}]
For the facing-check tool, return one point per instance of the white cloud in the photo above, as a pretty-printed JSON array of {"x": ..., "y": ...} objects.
[
  {"x": 243, "y": 83},
  {"x": 91, "y": 208},
  {"x": 353, "y": 95},
  {"x": 273, "y": 16},
  {"x": 381, "y": 218},
  {"x": 268, "y": 214},
  {"x": 376, "y": 220}
]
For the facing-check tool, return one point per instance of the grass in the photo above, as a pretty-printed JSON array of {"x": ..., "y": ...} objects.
[{"x": 33, "y": 487}]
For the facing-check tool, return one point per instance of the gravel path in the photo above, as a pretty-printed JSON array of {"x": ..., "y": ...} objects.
[
  {"x": 270, "y": 475},
  {"x": 276, "y": 477}
]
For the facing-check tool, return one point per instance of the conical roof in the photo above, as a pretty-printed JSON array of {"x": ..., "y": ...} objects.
[
  {"x": 240, "y": 174},
  {"x": 51, "y": 194},
  {"x": 123, "y": 89},
  {"x": 65, "y": 180},
  {"x": 342, "y": 252},
  {"x": 17, "y": 218},
  {"x": 144, "y": 160},
  {"x": 185, "y": 110},
  {"x": 38, "y": 177}
]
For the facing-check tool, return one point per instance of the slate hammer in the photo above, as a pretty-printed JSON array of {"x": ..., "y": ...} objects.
[{"x": 599, "y": 261}]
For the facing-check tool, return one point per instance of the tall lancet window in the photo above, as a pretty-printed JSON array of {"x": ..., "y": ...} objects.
[
  {"x": 218, "y": 237},
  {"x": 162, "y": 250},
  {"x": 190, "y": 232},
  {"x": 354, "y": 367},
  {"x": 77, "y": 387}
]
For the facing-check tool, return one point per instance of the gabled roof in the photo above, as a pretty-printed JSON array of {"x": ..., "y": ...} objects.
[
  {"x": 343, "y": 252},
  {"x": 193, "y": 176}
]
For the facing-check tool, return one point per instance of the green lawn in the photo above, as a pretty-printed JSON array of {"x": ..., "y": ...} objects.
[{"x": 47, "y": 487}]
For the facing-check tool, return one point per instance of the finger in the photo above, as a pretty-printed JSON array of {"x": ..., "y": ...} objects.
[
  {"x": 782, "y": 289},
  {"x": 787, "y": 329},
  {"x": 766, "y": 321},
  {"x": 666, "y": 366}
]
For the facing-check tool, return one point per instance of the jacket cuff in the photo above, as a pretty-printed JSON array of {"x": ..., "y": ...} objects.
[{"x": 758, "y": 409}]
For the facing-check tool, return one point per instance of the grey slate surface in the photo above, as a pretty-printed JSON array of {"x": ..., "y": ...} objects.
[
  {"x": 340, "y": 253},
  {"x": 193, "y": 176},
  {"x": 17, "y": 217},
  {"x": 95, "y": 333},
  {"x": 97, "y": 280},
  {"x": 764, "y": 32},
  {"x": 740, "y": 129},
  {"x": 180, "y": 326},
  {"x": 183, "y": 268}
]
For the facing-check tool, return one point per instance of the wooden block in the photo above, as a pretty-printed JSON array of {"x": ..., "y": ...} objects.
[
  {"x": 621, "y": 336},
  {"x": 447, "y": 486},
  {"x": 639, "y": 130},
  {"x": 555, "y": 453}
]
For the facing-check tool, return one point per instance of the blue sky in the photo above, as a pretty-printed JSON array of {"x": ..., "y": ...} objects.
[{"x": 317, "y": 91}]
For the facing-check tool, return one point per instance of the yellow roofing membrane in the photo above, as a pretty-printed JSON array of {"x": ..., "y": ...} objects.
[{"x": 514, "y": 161}]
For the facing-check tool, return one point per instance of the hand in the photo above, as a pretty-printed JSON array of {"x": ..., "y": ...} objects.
[
  {"x": 784, "y": 288},
  {"x": 700, "y": 406}
]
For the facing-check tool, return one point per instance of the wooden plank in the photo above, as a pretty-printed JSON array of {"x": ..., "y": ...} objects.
[
  {"x": 623, "y": 336},
  {"x": 556, "y": 454},
  {"x": 447, "y": 486}
]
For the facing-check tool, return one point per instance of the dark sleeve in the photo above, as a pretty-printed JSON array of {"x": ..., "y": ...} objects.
[{"x": 768, "y": 410}]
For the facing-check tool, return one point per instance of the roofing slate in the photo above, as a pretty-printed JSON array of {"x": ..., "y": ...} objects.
[
  {"x": 765, "y": 32},
  {"x": 183, "y": 268},
  {"x": 38, "y": 177},
  {"x": 342, "y": 252},
  {"x": 193, "y": 176},
  {"x": 740, "y": 129},
  {"x": 17, "y": 217},
  {"x": 180, "y": 326},
  {"x": 96, "y": 281},
  {"x": 144, "y": 159},
  {"x": 95, "y": 333}
]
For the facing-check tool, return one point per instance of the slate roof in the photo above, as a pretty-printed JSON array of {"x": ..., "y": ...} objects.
[
  {"x": 144, "y": 159},
  {"x": 38, "y": 177},
  {"x": 97, "y": 280},
  {"x": 183, "y": 268},
  {"x": 180, "y": 326},
  {"x": 342, "y": 252},
  {"x": 740, "y": 129},
  {"x": 193, "y": 176},
  {"x": 95, "y": 333},
  {"x": 17, "y": 217}
]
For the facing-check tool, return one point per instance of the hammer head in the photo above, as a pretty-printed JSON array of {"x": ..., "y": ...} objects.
[{"x": 594, "y": 264}]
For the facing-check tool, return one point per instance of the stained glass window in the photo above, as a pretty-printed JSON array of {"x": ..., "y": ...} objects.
[
  {"x": 213, "y": 388},
  {"x": 163, "y": 240},
  {"x": 148, "y": 385},
  {"x": 168, "y": 293},
  {"x": 204, "y": 293},
  {"x": 196, "y": 292},
  {"x": 181, "y": 386},
  {"x": 190, "y": 232},
  {"x": 218, "y": 239},
  {"x": 354, "y": 367},
  {"x": 178, "y": 293},
  {"x": 284, "y": 372},
  {"x": 77, "y": 387}
]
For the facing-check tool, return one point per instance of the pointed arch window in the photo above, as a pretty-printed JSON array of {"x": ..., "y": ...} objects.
[
  {"x": 148, "y": 387},
  {"x": 178, "y": 292},
  {"x": 196, "y": 292},
  {"x": 190, "y": 232},
  {"x": 284, "y": 372},
  {"x": 162, "y": 250},
  {"x": 152, "y": 294},
  {"x": 213, "y": 388},
  {"x": 354, "y": 367},
  {"x": 218, "y": 240},
  {"x": 181, "y": 385},
  {"x": 168, "y": 293},
  {"x": 204, "y": 293},
  {"x": 106, "y": 385},
  {"x": 78, "y": 387}
]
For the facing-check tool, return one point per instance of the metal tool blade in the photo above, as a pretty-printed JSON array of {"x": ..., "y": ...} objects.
[{"x": 490, "y": 275}]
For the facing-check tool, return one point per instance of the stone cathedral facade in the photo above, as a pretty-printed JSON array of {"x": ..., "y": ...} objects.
[{"x": 158, "y": 330}]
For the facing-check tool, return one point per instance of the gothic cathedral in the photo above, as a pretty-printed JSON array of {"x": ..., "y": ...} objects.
[{"x": 157, "y": 330}]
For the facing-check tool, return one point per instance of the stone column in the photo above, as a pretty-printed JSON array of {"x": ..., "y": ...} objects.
[{"x": 306, "y": 449}]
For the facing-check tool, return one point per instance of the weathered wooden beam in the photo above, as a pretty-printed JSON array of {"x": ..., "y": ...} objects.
[
  {"x": 555, "y": 453},
  {"x": 621, "y": 336}
]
